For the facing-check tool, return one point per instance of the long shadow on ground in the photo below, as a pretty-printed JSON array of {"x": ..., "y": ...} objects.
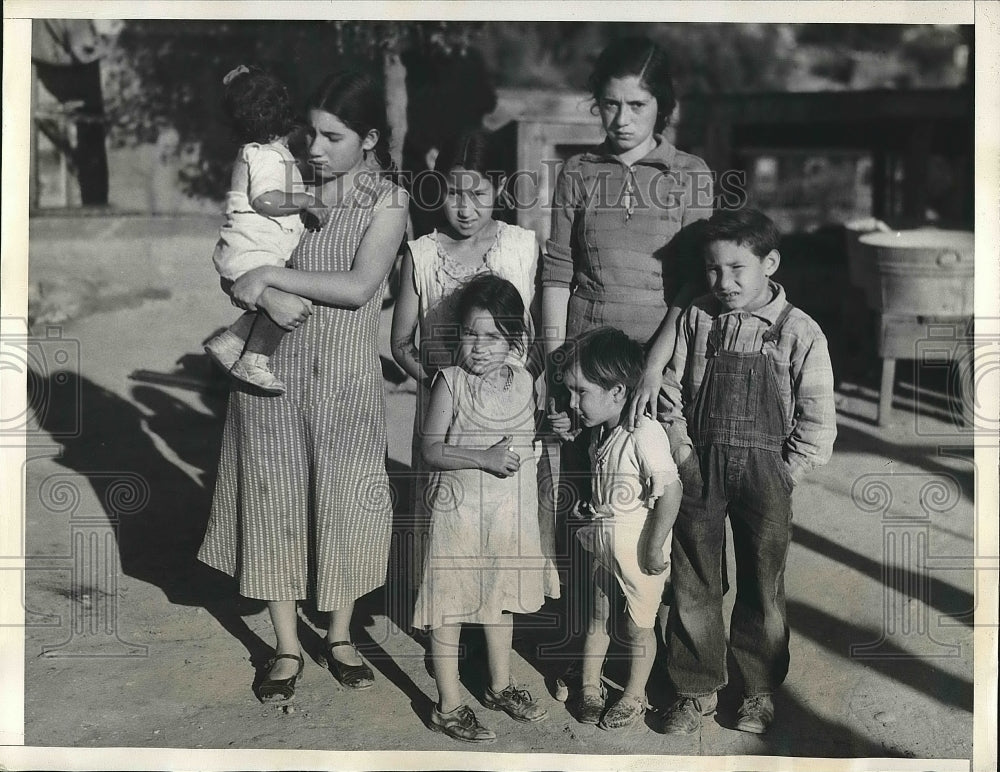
[
  {"x": 903, "y": 666},
  {"x": 851, "y": 440},
  {"x": 158, "y": 543},
  {"x": 946, "y": 598}
]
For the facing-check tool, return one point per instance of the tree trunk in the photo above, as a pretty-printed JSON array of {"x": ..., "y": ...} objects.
[{"x": 395, "y": 102}]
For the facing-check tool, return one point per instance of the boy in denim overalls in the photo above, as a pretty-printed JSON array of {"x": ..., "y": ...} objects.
[{"x": 756, "y": 395}]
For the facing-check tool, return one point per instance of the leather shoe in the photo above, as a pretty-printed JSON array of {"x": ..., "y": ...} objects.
[
  {"x": 279, "y": 689},
  {"x": 351, "y": 676}
]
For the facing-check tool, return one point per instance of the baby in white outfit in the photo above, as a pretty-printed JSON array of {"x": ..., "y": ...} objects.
[{"x": 267, "y": 210}]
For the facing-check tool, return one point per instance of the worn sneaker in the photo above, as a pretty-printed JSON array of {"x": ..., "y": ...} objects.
[
  {"x": 461, "y": 724},
  {"x": 225, "y": 348},
  {"x": 684, "y": 716},
  {"x": 589, "y": 704},
  {"x": 623, "y": 713},
  {"x": 755, "y": 714},
  {"x": 256, "y": 373},
  {"x": 516, "y": 703}
]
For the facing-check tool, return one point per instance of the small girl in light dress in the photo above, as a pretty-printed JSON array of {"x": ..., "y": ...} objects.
[
  {"x": 267, "y": 209},
  {"x": 485, "y": 559}
]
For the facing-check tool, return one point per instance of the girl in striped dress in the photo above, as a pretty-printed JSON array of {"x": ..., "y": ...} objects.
[{"x": 302, "y": 505}]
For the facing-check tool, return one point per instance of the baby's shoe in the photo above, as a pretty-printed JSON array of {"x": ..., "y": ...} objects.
[
  {"x": 225, "y": 348},
  {"x": 253, "y": 369},
  {"x": 461, "y": 724},
  {"x": 516, "y": 703}
]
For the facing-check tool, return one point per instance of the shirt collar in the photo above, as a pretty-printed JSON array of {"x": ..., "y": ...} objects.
[
  {"x": 603, "y": 444},
  {"x": 770, "y": 311},
  {"x": 662, "y": 155}
]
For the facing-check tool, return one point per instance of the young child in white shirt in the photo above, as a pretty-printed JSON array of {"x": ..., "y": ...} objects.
[
  {"x": 267, "y": 210},
  {"x": 636, "y": 494}
]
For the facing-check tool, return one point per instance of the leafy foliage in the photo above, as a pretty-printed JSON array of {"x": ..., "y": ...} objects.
[
  {"x": 733, "y": 58},
  {"x": 168, "y": 73}
]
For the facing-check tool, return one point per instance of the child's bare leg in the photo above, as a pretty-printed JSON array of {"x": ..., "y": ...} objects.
[
  {"x": 589, "y": 704},
  {"x": 642, "y": 651},
  {"x": 264, "y": 335},
  {"x": 503, "y": 693},
  {"x": 285, "y": 622},
  {"x": 252, "y": 366},
  {"x": 444, "y": 652},
  {"x": 498, "y": 644},
  {"x": 597, "y": 640},
  {"x": 243, "y": 326},
  {"x": 641, "y": 645}
]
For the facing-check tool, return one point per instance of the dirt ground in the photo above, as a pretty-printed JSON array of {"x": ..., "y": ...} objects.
[{"x": 131, "y": 643}]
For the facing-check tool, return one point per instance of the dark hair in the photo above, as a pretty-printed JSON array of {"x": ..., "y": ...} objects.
[
  {"x": 608, "y": 357},
  {"x": 646, "y": 60},
  {"x": 501, "y": 300},
  {"x": 474, "y": 150},
  {"x": 746, "y": 227},
  {"x": 258, "y": 106},
  {"x": 356, "y": 96}
]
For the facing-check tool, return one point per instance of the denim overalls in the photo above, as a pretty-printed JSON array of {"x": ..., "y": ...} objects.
[{"x": 739, "y": 428}]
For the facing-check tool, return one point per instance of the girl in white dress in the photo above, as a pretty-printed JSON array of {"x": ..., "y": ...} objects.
[
  {"x": 424, "y": 323},
  {"x": 470, "y": 241},
  {"x": 484, "y": 560}
]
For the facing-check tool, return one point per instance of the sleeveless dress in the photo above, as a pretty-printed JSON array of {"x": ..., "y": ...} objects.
[
  {"x": 485, "y": 555},
  {"x": 436, "y": 277},
  {"x": 302, "y": 504}
]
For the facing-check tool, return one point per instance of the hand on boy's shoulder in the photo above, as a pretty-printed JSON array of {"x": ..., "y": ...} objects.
[
  {"x": 645, "y": 428},
  {"x": 651, "y": 443}
]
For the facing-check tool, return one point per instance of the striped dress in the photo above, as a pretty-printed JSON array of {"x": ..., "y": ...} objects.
[{"x": 302, "y": 506}]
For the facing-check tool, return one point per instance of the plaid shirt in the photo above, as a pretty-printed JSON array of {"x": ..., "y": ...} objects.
[{"x": 802, "y": 366}]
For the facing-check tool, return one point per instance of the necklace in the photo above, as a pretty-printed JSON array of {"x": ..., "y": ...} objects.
[
  {"x": 508, "y": 380},
  {"x": 628, "y": 197}
]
